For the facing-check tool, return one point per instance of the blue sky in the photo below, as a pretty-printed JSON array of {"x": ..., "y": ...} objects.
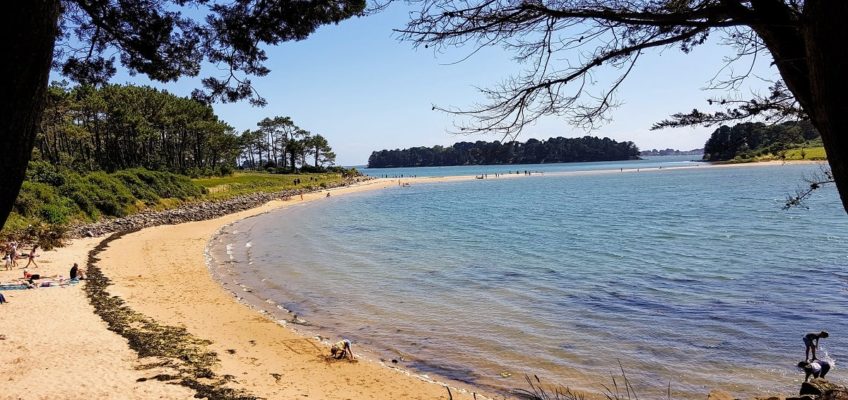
[{"x": 363, "y": 89}]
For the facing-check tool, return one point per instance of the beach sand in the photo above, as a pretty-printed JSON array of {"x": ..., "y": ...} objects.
[
  {"x": 161, "y": 272},
  {"x": 55, "y": 346}
]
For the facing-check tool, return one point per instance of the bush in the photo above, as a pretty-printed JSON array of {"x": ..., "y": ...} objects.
[
  {"x": 225, "y": 170},
  {"x": 159, "y": 184},
  {"x": 41, "y": 201},
  {"x": 44, "y": 172}
]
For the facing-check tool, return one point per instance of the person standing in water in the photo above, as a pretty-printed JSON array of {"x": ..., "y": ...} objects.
[{"x": 811, "y": 343}]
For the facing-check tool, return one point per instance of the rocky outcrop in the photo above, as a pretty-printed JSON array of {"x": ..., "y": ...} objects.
[
  {"x": 821, "y": 389},
  {"x": 198, "y": 211}
]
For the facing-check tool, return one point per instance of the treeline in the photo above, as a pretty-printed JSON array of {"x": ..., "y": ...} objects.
[
  {"x": 671, "y": 152},
  {"x": 553, "y": 150},
  {"x": 753, "y": 139},
  {"x": 117, "y": 127}
]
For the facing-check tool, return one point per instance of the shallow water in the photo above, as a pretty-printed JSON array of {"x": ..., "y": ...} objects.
[{"x": 693, "y": 277}]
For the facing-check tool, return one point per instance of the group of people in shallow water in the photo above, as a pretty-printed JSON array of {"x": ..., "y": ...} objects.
[
  {"x": 11, "y": 255},
  {"x": 814, "y": 367}
]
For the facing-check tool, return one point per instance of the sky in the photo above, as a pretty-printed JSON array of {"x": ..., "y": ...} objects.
[{"x": 360, "y": 87}]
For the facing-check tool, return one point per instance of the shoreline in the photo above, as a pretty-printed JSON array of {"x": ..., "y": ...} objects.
[
  {"x": 162, "y": 272},
  {"x": 252, "y": 347}
]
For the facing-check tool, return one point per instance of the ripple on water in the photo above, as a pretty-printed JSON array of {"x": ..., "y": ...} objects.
[{"x": 694, "y": 277}]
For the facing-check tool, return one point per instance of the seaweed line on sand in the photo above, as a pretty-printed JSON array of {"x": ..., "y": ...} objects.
[{"x": 171, "y": 347}]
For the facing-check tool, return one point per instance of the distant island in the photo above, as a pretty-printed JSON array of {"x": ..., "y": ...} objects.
[
  {"x": 553, "y": 150},
  {"x": 672, "y": 152}
]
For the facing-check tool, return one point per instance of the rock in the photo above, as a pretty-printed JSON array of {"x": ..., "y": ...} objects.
[
  {"x": 805, "y": 397},
  {"x": 719, "y": 395},
  {"x": 838, "y": 393},
  {"x": 817, "y": 387}
]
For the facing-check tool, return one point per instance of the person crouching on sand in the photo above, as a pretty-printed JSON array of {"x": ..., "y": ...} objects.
[
  {"x": 340, "y": 349},
  {"x": 816, "y": 368}
]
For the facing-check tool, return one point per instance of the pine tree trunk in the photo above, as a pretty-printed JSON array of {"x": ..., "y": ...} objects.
[
  {"x": 29, "y": 31},
  {"x": 826, "y": 34}
]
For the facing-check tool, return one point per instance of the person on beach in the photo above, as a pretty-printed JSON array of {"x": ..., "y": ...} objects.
[
  {"x": 13, "y": 253},
  {"x": 816, "y": 368},
  {"x": 340, "y": 349},
  {"x": 2, "y": 299},
  {"x": 31, "y": 257},
  {"x": 76, "y": 274},
  {"x": 7, "y": 259},
  {"x": 811, "y": 343}
]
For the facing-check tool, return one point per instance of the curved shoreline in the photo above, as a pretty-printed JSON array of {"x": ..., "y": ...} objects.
[
  {"x": 267, "y": 359},
  {"x": 151, "y": 269}
]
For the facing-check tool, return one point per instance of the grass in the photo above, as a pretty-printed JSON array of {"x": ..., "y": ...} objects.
[
  {"x": 813, "y": 153},
  {"x": 808, "y": 153},
  {"x": 241, "y": 183}
]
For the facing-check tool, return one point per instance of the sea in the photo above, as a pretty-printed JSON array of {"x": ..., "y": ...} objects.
[{"x": 678, "y": 277}]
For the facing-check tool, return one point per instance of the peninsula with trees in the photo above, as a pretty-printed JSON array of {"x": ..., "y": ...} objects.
[
  {"x": 533, "y": 151},
  {"x": 757, "y": 141}
]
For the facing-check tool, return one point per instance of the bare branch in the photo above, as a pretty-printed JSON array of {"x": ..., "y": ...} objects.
[{"x": 814, "y": 182}]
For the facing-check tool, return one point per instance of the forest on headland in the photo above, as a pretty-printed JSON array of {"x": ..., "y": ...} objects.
[
  {"x": 533, "y": 151},
  {"x": 116, "y": 150},
  {"x": 756, "y": 141}
]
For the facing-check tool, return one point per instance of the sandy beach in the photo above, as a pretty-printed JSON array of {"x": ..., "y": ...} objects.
[{"x": 55, "y": 346}]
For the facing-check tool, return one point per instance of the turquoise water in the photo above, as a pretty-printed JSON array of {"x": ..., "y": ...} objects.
[{"x": 690, "y": 277}]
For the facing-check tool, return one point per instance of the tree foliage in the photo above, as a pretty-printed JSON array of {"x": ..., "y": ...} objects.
[
  {"x": 166, "y": 40},
  {"x": 281, "y": 145},
  {"x": 118, "y": 127},
  {"x": 750, "y": 139},
  {"x": 86, "y": 40},
  {"x": 563, "y": 43},
  {"x": 554, "y": 150}
]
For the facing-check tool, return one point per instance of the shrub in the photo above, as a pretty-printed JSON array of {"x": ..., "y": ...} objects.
[
  {"x": 44, "y": 172},
  {"x": 225, "y": 170}
]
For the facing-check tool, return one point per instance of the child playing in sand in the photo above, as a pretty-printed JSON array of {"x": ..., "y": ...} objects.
[
  {"x": 340, "y": 348},
  {"x": 811, "y": 342}
]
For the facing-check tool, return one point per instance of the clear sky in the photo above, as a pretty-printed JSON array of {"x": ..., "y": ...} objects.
[{"x": 364, "y": 90}]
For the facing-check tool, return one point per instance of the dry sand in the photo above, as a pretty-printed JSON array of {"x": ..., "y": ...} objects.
[{"x": 54, "y": 346}]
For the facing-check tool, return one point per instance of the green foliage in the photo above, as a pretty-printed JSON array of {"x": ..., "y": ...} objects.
[
  {"x": 553, "y": 150},
  {"x": 58, "y": 197},
  {"x": 257, "y": 182},
  {"x": 118, "y": 127},
  {"x": 807, "y": 153},
  {"x": 755, "y": 141},
  {"x": 150, "y": 186},
  {"x": 41, "y": 200}
]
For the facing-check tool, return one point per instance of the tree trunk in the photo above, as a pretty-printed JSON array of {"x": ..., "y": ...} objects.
[
  {"x": 29, "y": 31},
  {"x": 825, "y": 35}
]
